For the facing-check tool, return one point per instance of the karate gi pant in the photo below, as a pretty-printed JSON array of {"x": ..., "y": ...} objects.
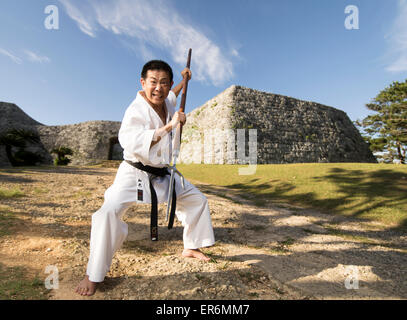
[{"x": 108, "y": 231}]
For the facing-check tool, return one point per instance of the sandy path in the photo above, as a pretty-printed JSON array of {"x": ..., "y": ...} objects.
[{"x": 261, "y": 253}]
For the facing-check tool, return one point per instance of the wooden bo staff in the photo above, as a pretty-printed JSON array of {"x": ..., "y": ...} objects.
[
  {"x": 176, "y": 150},
  {"x": 184, "y": 89}
]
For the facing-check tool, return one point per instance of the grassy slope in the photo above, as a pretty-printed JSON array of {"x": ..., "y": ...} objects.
[{"x": 373, "y": 191}]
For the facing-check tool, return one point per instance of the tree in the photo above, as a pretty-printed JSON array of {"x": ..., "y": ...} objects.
[
  {"x": 61, "y": 153},
  {"x": 386, "y": 130},
  {"x": 18, "y": 138}
]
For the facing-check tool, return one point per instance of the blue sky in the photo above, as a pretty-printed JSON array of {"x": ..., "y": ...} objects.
[{"x": 89, "y": 68}]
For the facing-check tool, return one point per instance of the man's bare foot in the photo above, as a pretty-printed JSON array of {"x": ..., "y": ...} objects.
[
  {"x": 195, "y": 253},
  {"x": 86, "y": 287}
]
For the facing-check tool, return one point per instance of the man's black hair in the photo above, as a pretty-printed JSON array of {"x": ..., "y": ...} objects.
[{"x": 157, "y": 65}]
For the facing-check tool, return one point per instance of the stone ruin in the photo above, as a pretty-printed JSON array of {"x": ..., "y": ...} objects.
[
  {"x": 287, "y": 130},
  {"x": 91, "y": 141}
]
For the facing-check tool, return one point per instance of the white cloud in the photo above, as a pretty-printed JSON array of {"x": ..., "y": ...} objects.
[
  {"x": 234, "y": 53},
  {"x": 398, "y": 40},
  {"x": 140, "y": 48},
  {"x": 11, "y": 56},
  {"x": 155, "y": 24},
  {"x": 33, "y": 57},
  {"x": 77, "y": 15}
]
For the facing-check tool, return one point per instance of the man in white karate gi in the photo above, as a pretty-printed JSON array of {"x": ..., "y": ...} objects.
[{"x": 146, "y": 137}]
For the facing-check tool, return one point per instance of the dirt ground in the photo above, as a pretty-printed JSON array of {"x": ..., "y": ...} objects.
[{"x": 272, "y": 252}]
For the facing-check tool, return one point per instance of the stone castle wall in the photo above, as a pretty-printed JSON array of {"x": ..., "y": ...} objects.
[
  {"x": 91, "y": 141},
  {"x": 12, "y": 117},
  {"x": 288, "y": 130}
]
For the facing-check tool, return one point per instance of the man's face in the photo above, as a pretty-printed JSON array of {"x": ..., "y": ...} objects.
[{"x": 156, "y": 86}]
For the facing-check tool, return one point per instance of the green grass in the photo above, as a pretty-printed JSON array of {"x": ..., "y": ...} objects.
[
  {"x": 10, "y": 193},
  {"x": 40, "y": 190},
  {"x": 7, "y": 219},
  {"x": 15, "y": 285},
  {"x": 287, "y": 242},
  {"x": 138, "y": 247},
  {"x": 377, "y": 192},
  {"x": 211, "y": 255},
  {"x": 253, "y": 294},
  {"x": 334, "y": 231},
  {"x": 224, "y": 266},
  {"x": 81, "y": 194}
]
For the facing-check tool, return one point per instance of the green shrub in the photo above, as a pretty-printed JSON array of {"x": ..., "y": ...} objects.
[
  {"x": 62, "y": 152},
  {"x": 61, "y": 161}
]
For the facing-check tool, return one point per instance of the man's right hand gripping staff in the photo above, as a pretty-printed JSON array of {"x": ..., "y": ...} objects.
[{"x": 147, "y": 121}]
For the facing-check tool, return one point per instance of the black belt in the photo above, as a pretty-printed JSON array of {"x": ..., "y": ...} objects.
[{"x": 160, "y": 172}]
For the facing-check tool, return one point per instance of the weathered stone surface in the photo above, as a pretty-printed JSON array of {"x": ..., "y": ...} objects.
[
  {"x": 91, "y": 141},
  {"x": 288, "y": 130},
  {"x": 12, "y": 117}
]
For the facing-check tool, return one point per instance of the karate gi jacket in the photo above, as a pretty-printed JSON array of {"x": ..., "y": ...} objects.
[{"x": 135, "y": 136}]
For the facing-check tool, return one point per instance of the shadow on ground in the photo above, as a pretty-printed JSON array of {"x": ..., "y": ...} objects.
[{"x": 351, "y": 187}]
